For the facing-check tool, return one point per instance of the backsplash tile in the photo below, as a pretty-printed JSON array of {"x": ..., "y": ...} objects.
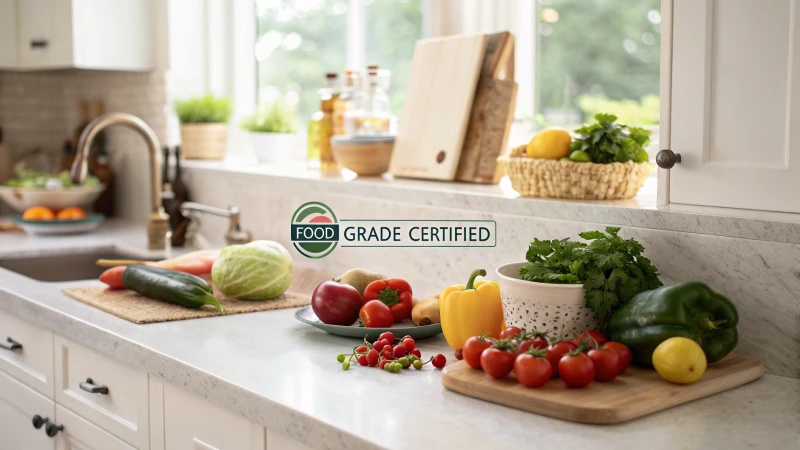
[{"x": 761, "y": 278}]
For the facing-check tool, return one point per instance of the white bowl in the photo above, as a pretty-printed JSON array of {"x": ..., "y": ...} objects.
[
  {"x": 273, "y": 147},
  {"x": 21, "y": 199},
  {"x": 557, "y": 308}
]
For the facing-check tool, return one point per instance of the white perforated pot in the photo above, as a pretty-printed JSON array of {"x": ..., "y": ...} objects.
[{"x": 557, "y": 308}]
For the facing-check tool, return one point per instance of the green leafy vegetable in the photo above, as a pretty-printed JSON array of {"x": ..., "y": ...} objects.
[
  {"x": 612, "y": 269},
  {"x": 607, "y": 141},
  {"x": 32, "y": 179}
]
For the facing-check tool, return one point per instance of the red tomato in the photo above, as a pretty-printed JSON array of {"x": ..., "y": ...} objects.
[
  {"x": 375, "y": 314},
  {"x": 624, "y": 354},
  {"x": 532, "y": 370},
  {"x": 577, "y": 370},
  {"x": 473, "y": 348},
  {"x": 510, "y": 332},
  {"x": 498, "y": 360},
  {"x": 537, "y": 340},
  {"x": 336, "y": 303},
  {"x": 590, "y": 337},
  {"x": 555, "y": 351},
  {"x": 389, "y": 336},
  {"x": 606, "y": 363}
]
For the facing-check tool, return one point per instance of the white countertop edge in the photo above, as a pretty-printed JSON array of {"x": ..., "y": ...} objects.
[{"x": 640, "y": 212}]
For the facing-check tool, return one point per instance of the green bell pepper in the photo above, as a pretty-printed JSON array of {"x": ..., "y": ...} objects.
[{"x": 691, "y": 310}]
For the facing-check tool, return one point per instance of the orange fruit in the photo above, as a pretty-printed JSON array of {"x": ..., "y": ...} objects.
[
  {"x": 71, "y": 214},
  {"x": 38, "y": 213}
]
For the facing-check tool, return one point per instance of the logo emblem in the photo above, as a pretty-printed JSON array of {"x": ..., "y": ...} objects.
[{"x": 315, "y": 230}]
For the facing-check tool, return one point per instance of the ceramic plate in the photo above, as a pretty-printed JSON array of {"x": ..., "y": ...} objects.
[
  {"x": 406, "y": 327},
  {"x": 55, "y": 227}
]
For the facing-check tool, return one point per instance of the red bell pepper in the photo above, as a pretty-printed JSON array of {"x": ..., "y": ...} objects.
[{"x": 394, "y": 292}]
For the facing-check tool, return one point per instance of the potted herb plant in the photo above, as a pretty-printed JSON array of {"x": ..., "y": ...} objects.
[
  {"x": 272, "y": 132},
  {"x": 204, "y": 126}
]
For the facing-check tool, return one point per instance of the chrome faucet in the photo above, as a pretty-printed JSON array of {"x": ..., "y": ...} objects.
[
  {"x": 158, "y": 221},
  {"x": 235, "y": 233}
]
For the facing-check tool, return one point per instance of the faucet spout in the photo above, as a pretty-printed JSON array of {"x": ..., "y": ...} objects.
[{"x": 158, "y": 222}]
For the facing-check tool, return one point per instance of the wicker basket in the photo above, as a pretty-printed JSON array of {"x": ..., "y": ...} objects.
[
  {"x": 204, "y": 140},
  {"x": 551, "y": 178}
]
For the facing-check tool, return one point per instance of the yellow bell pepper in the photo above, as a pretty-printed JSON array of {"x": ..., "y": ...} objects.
[{"x": 471, "y": 310}]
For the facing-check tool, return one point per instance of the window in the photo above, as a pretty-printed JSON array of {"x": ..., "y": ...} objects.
[{"x": 298, "y": 41}]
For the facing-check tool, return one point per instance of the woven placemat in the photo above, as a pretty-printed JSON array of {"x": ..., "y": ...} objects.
[{"x": 138, "y": 309}]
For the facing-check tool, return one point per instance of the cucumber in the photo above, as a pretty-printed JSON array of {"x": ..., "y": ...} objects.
[{"x": 169, "y": 286}]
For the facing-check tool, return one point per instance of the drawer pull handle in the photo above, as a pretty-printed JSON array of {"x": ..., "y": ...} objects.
[
  {"x": 52, "y": 430},
  {"x": 39, "y": 43},
  {"x": 89, "y": 387},
  {"x": 39, "y": 421},
  {"x": 10, "y": 344}
]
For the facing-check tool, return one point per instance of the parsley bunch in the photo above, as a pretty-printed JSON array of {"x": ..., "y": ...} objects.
[
  {"x": 612, "y": 269},
  {"x": 607, "y": 141}
]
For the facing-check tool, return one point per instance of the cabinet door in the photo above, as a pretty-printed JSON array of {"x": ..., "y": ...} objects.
[
  {"x": 8, "y": 33},
  {"x": 193, "y": 423},
  {"x": 29, "y": 358},
  {"x": 80, "y": 434},
  {"x": 18, "y": 405},
  {"x": 735, "y": 84},
  {"x": 45, "y": 34}
]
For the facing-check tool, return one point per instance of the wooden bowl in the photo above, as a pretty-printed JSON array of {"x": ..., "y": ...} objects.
[{"x": 364, "y": 155}]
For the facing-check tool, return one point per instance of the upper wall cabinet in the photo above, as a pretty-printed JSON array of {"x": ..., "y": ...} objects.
[
  {"x": 82, "y": 34},
  {"x": 735, "y": 87}
]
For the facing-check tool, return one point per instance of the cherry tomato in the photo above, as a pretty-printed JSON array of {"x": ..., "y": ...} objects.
[
  {"x": 537, "y": 340},
  {"x": 510, "y": 332},
  {"x": 361, "y": 349},
  {"x": 416, "y": 353},
  {"x": 532, "y": 370},
  {"x": 590, "y": 337},
  {"x": 383, "y": 363},
  {"x": 555, "y": 351},
  {"x": 387, "y": 353},
  {"x": 375, "y": 314},
  {"x": 409, "y": 343},
  {"x": 372, "y": 358},
  {"x": 399, "y": 350},
  {"x": 624, "y": 354},
  {"x": 439, "y": 361},
  {"x": 378, "y": 345},
  {"x": 362, "y": 359},
  {"x": 459, "y": 354},
  {"x": 473, "y": 348},
  {"x": 389, "y": 336},
  {"x": 606, "y": 363},
  {"x": 498, "y": 360},
  {"x": 576, "y": 369}
]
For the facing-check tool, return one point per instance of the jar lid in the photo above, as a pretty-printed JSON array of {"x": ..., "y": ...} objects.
[{"x": 363, "y": 139}]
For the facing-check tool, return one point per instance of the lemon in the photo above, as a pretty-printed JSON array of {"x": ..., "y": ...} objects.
[
  {"x": 550, "y": 143},
  {"x": 679, "y": 360}
]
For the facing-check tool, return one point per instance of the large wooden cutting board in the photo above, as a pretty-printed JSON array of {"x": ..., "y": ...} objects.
[
  {"x": 439, "y": 94},
  {"x": 635, "y": 393}
]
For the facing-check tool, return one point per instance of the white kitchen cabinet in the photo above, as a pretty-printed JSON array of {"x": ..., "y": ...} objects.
[
  {"x": 26, "y": 353},
  {"x": 80, "y": 434},
  {"x": 18, "y": 405},
  {"x": 8, "y": 34},
  {"x": 84, "y": 34},
  {"x": 735, "y": 86},
  {"x": 193, "y": 423}
]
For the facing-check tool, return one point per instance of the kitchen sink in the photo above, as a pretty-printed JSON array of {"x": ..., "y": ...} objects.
[{"x": 78, "y": 265}]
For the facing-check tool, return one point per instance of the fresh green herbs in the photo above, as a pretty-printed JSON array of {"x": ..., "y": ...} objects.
[
  {"x": 612, "y": 269},
  {"x": 275, "y": 118},
  {"x": 607, "y": 141},
  {"x": 207, "y": 109}
]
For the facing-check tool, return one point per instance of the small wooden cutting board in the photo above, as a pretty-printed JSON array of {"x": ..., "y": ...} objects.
[{"x": 636, "y": 393}]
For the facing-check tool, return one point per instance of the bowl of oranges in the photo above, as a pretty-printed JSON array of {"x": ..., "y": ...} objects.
[{"x": 41, "y": 220}]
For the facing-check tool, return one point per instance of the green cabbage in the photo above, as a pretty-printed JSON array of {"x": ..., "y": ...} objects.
[{"x": 259, "y": 270}]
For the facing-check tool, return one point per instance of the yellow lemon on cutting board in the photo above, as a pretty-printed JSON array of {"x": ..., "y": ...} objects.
[
  {"x": 679, "y": 360},
  {"x": 550, "y": 143}
]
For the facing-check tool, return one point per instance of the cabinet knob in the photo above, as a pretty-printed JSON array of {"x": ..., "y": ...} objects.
[
  {"x": 39, "y": 421},
  {"x": 51, "y": 429},
  {"x": 91, "y": 388},
  {"x": 10, "y": 344},
  {"x": 39, "y": 43},
  {"x": 667, "y": 158}
]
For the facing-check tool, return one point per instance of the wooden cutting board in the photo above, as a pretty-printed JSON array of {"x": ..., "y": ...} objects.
[
  {"x": 636, "y": 393},
  {"x": 439, "y": 94}
]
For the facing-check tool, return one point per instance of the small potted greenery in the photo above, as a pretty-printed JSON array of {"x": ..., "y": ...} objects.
[
  {"x": 272, "y": 132},
  {"x": 204, "y": 126}
]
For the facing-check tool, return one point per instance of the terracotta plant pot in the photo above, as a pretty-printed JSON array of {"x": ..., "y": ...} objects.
[{"x": 204, "y": 140}]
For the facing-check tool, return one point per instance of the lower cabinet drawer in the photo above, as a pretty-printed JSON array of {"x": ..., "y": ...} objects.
[
  {"x": 193, "y": 423},
  {"x": 79, "y": 434},
  {"x": 26, "y": 353},
  {"x": 106, "y": 392},
  {"x": 19, "y": 405}
]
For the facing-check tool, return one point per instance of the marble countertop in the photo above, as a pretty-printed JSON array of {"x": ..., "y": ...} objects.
[
  {"x": 283, "y": 374},
  {"x": 640, "y": 211}
]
